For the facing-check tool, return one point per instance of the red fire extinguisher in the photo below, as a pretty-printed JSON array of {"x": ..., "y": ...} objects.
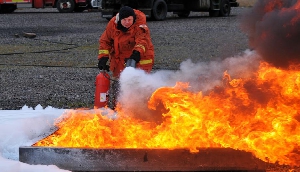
[{"x": 102, "y": 85}]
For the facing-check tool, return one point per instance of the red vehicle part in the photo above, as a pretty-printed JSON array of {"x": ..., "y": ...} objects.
[{"x": 38, "y": 3}]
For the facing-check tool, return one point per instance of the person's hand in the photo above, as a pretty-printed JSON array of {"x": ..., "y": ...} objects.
[
  {"x": 102, "y": 63},
  {"x": 135, "y": 56}
]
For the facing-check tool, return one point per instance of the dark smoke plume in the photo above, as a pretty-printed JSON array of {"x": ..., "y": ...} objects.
[{"x": 273, "y": 28}]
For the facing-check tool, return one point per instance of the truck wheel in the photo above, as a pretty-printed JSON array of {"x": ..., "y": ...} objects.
[
  {"x": 225, "y": 8},
  {"x": 184, "y": 14},
  {"x": 159, "y": 10},
  {"x": 65, "y": 6}
]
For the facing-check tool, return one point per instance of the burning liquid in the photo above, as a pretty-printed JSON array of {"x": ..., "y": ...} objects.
[{"x": 258, "y": 115}]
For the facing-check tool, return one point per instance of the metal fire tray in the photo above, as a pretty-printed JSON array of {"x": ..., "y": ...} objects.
[{"x": 89, "y": 159}]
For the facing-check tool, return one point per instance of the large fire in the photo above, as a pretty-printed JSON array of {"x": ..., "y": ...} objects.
[{"x": 259, "y": 115}]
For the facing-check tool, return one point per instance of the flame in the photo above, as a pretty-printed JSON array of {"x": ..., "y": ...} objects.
[{"x": 258, "y": 115}]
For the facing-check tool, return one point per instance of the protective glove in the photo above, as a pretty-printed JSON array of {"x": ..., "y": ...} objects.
[
  {"x": 135, "y": 56},
  {"x": 102, "y": 63}
]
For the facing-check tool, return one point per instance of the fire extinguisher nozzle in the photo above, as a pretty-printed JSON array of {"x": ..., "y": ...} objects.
[{"x": 131, "y": 63}]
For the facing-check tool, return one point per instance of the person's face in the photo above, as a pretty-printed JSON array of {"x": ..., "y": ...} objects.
[{"x": 127, "y": 22}]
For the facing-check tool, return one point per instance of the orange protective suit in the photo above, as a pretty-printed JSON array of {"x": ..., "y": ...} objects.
[{"x": 118, "y": 45}]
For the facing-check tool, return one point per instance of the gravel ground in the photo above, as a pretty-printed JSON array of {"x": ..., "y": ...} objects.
[{"x": 58, "y": 67}]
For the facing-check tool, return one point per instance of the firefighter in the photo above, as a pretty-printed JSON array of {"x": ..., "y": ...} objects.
[{"x": 126, "y": 37}]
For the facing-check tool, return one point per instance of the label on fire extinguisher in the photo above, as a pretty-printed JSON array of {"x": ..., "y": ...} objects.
[{"x": 102, "y": 97}]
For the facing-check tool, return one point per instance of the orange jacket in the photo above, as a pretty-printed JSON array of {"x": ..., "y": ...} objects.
[{"x": 118, "y": 45}]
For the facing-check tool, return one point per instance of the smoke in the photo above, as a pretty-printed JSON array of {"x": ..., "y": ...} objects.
[
  {"x": 273, "y": 28},
  {"x": 136, "y": 86}
]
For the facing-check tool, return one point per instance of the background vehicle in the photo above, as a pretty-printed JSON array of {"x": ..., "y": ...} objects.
[
  {"x": 63, "y": 6},
  {"x": 157, "y": 9}
]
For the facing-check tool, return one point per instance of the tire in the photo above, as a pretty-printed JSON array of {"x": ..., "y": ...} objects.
[
  {"x": 65, "y": 6},
  {"x": 184, "y": 14},
  {"x": 225, "y": 8},
  {"x": 7, "y": 8},
  {"x": 159, "y": 10}
]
